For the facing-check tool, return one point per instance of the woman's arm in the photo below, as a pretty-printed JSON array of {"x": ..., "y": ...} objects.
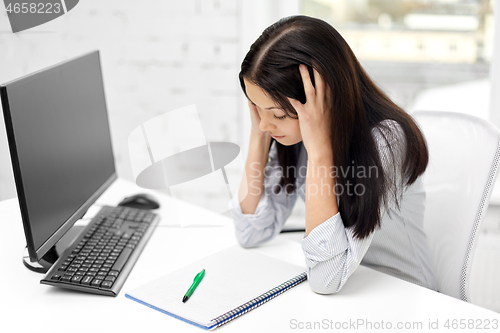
[
  {"x": 332, "y": 252},
  {"x": 320, "y": 196},
  {"x": 272, "y": 209},
  {"x": 314, "y": 122},
  {"x": 252, "y": 182},
  {"x": 260, "y": 214}
]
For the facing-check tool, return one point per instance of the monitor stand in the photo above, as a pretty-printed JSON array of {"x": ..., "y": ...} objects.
[{"x": 44, "y": 264}]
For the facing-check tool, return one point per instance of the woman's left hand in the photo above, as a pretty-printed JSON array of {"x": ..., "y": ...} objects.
[{"x": 314, "y": 116}]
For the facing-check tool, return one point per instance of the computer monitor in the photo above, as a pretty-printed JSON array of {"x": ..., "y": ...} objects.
[{"x": 60, "y": 145}]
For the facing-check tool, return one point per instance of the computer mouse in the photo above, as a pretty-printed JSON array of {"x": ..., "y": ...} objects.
[{"x": 141, "y": 201}]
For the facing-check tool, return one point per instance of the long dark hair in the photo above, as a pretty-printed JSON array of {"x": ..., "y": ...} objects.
[{"x": 357, "y": 107}]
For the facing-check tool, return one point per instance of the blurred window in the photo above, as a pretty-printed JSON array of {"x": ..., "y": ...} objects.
[{"x": 412, "y": 47}]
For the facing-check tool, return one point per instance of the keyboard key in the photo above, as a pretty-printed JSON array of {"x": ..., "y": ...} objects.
[
  {"x": 87, "y": 279},
  {"x": 106, "y": 284},
  {"x": 113, "y": 273},
  {"x": 96, "y": 283},
  {"x": 122, "y": 259},
  {"x": 76, "y": 278},
  {"x": 66, "y": 278}
]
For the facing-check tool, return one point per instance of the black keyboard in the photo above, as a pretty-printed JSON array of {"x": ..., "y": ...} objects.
[{"x": 102, "y": 256}]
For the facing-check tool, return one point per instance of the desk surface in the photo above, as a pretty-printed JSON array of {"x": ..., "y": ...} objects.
[{"x": 187, "y": 233}]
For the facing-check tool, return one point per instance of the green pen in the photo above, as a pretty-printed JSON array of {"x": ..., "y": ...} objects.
[{"x": 196, "y": 282}]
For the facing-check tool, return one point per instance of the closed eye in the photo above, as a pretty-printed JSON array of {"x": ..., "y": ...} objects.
[{"x": 271, "y": 108}]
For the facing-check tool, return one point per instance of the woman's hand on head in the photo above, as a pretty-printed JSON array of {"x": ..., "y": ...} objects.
[
  {"x": 314, "y": 115},
  {"x": 255, "y": 117}
]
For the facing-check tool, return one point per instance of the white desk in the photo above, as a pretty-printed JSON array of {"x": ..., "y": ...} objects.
[{"x": 369, "y": 296}]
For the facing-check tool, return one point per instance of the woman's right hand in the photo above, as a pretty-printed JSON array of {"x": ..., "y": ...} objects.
[{"x": 255, "y": 117}]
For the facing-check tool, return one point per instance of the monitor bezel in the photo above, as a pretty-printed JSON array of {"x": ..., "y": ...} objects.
[{"x": 35, "y": 255}]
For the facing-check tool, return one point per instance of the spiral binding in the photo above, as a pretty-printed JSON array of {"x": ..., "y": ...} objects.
[{"x": 258, "y": 301}]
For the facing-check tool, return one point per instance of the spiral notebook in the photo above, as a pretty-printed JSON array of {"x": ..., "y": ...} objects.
[{"x": 236, "y": 281}]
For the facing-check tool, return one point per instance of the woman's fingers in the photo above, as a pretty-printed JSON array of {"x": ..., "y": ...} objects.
[
  {"x": 320, "y": 87},
  {"x": 306, "y": 81},
  {"x": 314, "y": 94},
  {"x": 254, "y": 115},
  {"x": 296, "y": 105}
]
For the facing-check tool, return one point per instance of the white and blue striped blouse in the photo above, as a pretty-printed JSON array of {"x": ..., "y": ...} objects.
[{"x": 331, "y": 251}]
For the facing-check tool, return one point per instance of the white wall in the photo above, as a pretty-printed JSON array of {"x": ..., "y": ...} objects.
[{"x": 157, "y": 55}]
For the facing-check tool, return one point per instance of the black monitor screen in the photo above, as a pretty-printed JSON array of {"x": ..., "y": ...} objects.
[{"x": 60, "y": 144}]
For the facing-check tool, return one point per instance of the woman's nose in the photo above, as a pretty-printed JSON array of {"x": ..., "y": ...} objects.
[{"x": 265, "y": 123}]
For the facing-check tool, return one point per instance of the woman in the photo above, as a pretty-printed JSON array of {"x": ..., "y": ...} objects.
[{"x": 322, "y": 129}]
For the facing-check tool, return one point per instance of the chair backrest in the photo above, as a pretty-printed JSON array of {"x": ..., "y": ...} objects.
[{"x": 464, "y": 153}]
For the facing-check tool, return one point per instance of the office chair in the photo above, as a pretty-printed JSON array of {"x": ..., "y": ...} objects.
[{"x": 464, "y": 153}]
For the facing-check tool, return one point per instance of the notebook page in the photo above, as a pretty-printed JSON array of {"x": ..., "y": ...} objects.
[{"x": 233, "y": 277}]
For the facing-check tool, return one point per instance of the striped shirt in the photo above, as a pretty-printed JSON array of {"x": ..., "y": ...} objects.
[{"x": 332, "y": 253}]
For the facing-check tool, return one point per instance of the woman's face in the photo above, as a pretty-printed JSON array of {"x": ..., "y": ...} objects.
[{"x": 273, "y": 119}]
